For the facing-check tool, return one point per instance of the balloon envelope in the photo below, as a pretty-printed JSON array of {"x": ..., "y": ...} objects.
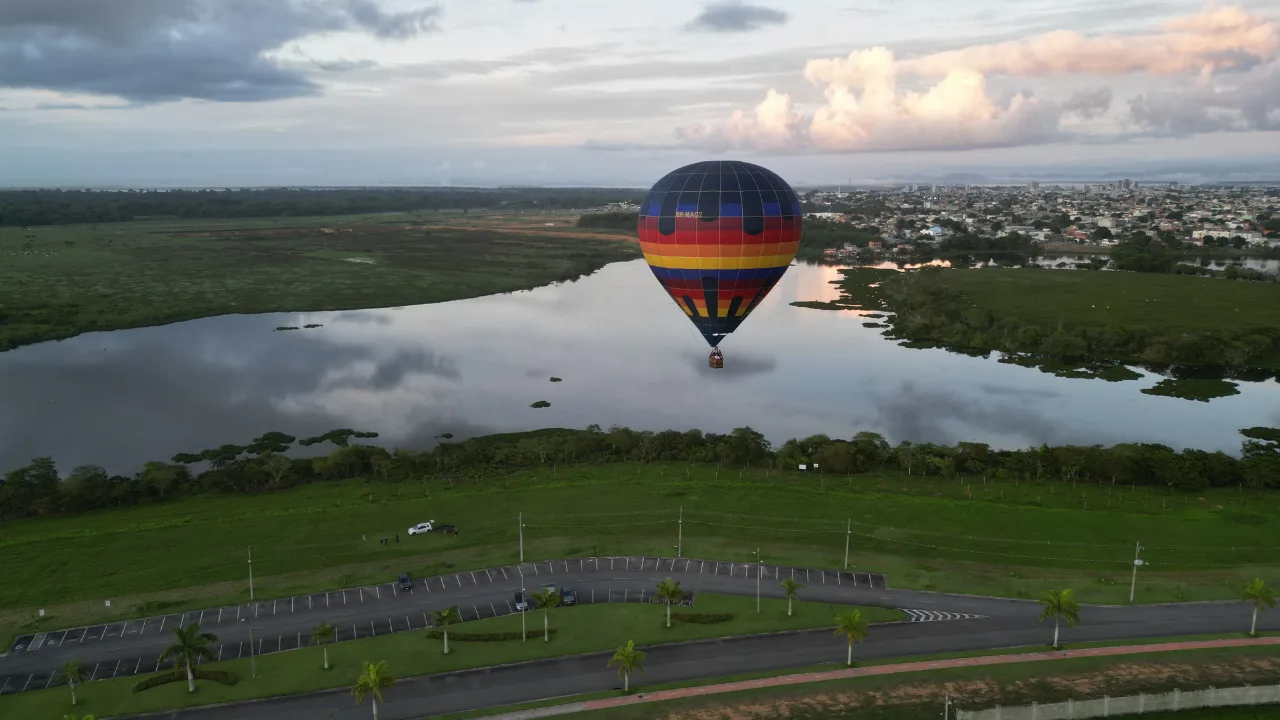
[{"x": 719, "y": 235}]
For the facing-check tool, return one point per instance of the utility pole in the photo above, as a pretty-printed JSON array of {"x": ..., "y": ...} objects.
[
  {"x": 524, "y": 599},
  {"x": 848, "y": 531},
  {"x": 946, "y": 705},
  {"x": 520, "y": 520},
  {"x": 680, "y": 533},
  {"x": 250, "y": 573},
  {"x": 1136, "y": 562}
]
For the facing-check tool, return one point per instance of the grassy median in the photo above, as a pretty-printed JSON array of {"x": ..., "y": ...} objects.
[{"x": 580, "y": 629}]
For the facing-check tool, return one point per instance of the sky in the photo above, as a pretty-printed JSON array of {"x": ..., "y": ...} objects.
[{"x": 598, "y": 92}]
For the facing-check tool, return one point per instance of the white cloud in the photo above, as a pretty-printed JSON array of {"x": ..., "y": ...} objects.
[{"x": 868, "y": 107}]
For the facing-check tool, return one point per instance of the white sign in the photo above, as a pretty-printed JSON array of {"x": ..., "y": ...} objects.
[
  {"x": 804, "y": 467},
  {"x": 41, "y": 612},
  {"x": 108, "y": 603},
  {"x": 1138, "y": 562},
  {"x": 815, "y": 464}
]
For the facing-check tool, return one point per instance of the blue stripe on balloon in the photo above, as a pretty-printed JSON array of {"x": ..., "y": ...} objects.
[{"x": 731, "y": 210}]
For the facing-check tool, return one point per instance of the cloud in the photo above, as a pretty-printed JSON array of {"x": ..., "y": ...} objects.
[
  {"x": 1088, "y": 103},
  {"x": 155, "y": 50},
  {"x": 869, "y": 108},
  {"x": 1252, "y": 102},
  {"x": 735, "y": 16},
  {"x": 1216, "y": 38}
]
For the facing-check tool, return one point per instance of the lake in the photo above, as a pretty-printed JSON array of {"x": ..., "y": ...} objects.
[{"x": 626, "y": 354}]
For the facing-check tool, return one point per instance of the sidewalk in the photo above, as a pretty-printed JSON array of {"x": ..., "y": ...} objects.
[{"x": 891, "y": 669}]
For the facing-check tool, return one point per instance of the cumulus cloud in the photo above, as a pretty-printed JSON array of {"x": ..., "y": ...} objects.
[
  {"x": 1216, "y": 38},
  {"x": 152, "y": 50},
  {"x": 736, "y": 16},
  {"x": 1251, "y": 102},
  {"x": 868, "y": 108}
]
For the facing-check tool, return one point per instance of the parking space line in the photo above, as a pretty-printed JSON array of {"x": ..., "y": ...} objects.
[
  {"x": 51, "y": 677},
  {"x": 183, "y": 621},
  {"x": 260, "y": 641},
  {"x": 425, "y": 622},
  {"x": 360, "y": 592},
  {"x": 717, "y": 572},
  {"x": 5, "y": 686},
  {"x": 509, "y": 608},
  {"x": 476, "y": 610},
  {"x": 488, "y": 575},
  {"x": 442, "y": 585},
  {"x": 390, "y": 627},
  {"x": 240, "y": 650},
  {"x": 373, "y": 629},
  {"x": 494, "y": 609},
  {"x": 473, "y": 579},
  {"x": 117, "y": 670},
  {"x": 504, "y": 573},
  {"x": 344, "y": 597},
  {"x": 824, "y": 577},
  {"x": 28, "y": 682},
  {"x": 279, "y": 643},
  {"x": 219, "y": 615},
  {"x": 535, "y": 568},
  {"x": 91, "y": 677},
  {"x": 139, "y": 665},
  {"x": 309, "y": 601},
  {"x": 291, "y": 604},
  {"x": 407, "y": 623},
  {"x": 219, "y": 655},
  {"x": 377, "y": 592},
  {"x": 806, "y": 575}
]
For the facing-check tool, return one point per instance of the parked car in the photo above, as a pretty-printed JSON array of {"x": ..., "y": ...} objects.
[
  {"x": 421, "y": 528},
  {"x": 567, "y": 597},
  {"x": 521, "y": 604},
  {"x": 406, "y": 583}
]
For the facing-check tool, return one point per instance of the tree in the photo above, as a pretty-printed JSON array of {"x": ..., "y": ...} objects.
[
  {"x": 77, "y": 717},
  {"x": 324, "y": 634},
  {"x": 1060, "y": 606},
  {"x": 1262, "y": 597},
  {"x": 852, "y": 626},
  {"x": 628, "y": 660},
  {"x": 443, "y": 619},
  {"x": 670, "y": 593},
  {"x": 373, "y": 678},
  {"x": 790, "y": 588},
  {"x": 74, "y": 675},
  {"x": 190, "y": 646},
  {"x": 546, "y": 599}
]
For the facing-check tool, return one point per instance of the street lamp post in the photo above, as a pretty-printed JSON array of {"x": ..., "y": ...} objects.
[
  {"x": 759, "y": 571},
  {"x": 1136, "y": 563},
  {"x": 253, "y": 662},
  {"x": 524, "y": 600}
]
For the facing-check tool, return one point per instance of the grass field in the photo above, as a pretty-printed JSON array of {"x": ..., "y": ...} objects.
[
  {"x": 1162, "y": 303},
  {"x": 59, "y": 281},
  {"x": 579, "y": 629},
  {"x": 995, "y": 538}
]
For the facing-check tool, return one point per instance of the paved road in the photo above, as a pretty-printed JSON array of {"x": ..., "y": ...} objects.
[
  {"x": 986, "y": 623},
  {"x": 123, "y": 649}
]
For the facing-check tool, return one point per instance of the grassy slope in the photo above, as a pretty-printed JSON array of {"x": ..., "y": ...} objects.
[
  {"x": 580, "y": 629},
  {"x": 1163, "y": 303},
  {"x": 98, "y": 277},
  {"x": 1000, "y": 542}
]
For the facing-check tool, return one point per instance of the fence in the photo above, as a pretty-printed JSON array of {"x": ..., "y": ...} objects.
[{"x": 1130, "y": 704}]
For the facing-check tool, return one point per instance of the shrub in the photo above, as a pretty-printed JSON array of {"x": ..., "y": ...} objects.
[
  {"x": 702, "y": 618},
  {"x": 485, "y": 637},
  {"x": 540, "y": 404},
  {"x": 180, "y": 675}
]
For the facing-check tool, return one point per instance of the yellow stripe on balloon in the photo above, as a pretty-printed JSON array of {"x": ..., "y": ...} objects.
[{"x": 718, "y": 263}]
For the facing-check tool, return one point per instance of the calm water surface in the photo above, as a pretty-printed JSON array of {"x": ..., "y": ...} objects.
[{"x": 626, "y": 354}]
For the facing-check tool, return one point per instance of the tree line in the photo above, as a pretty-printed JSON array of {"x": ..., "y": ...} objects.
[
  {"x": 1140, "y": 252},
  {"x": 62, "y": 207},
  {"x": 38, "y": 489}
]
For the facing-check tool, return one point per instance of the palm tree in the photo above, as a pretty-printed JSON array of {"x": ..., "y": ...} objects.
[
  {"x": 443, "y": 619},
  {"x": 628, "y": 659},
  {"x": 852, "y": 626},
  {"x": 1060, "y": 606},
  {"x": 73, "y": 674},
  {"x": 670, "y": 593},
  {"x": 1262, "y": 597},
  {"x": 790, "y": 588},
  {"x": 190, "y": 647},
  {"x": 373, "y": 678},
  {"x": 546, "y": 598},
  {"x": 77, "y": 717},
  {"x": 324, "y": 634}
]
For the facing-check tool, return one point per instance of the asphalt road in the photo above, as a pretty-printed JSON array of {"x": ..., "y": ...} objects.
[{"x": 958, "y": 623}]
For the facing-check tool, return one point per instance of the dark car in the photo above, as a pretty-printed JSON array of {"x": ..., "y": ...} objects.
[
  {"x": 567, "y": 597},
  {"x": 406, "y": 584}
]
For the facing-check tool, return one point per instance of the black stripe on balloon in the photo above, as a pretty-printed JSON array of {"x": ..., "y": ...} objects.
[
  {"x": 733, "y": 307},
  {"x": 688, "y": 302},
  {"x": 710, "y": 288}
]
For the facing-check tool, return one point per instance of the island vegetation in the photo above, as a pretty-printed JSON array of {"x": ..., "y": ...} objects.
[
  {"x": 61, "y": 280},
  {"x": 1115, "y": 316}
]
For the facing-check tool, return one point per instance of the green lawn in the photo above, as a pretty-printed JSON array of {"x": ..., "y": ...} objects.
[
  {"x": 995, "y": 538},
  {"x": 58, "y": 281},
  {"x": 580, "y": 629},
  {"x": 1163, "y": 303}
]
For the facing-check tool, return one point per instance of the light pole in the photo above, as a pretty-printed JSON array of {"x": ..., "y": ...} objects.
[
  {"x": 759, "y": 571},
  {"x": 520, "y": 520},
  {"x": 680, "y": 533},
  {"x": 848, "y": 532},
  {"x": 524, "y": 604},
  {"x": 251, "y": 574},
  {"x": 1136, "y": 563},
  {"x": 253, "y": 662}
]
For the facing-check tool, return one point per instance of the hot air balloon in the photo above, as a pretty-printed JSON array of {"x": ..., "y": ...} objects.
[{"x": 719, "y": 235}]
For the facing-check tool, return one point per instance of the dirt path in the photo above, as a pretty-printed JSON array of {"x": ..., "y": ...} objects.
[{"x": 813, "y": 677}]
